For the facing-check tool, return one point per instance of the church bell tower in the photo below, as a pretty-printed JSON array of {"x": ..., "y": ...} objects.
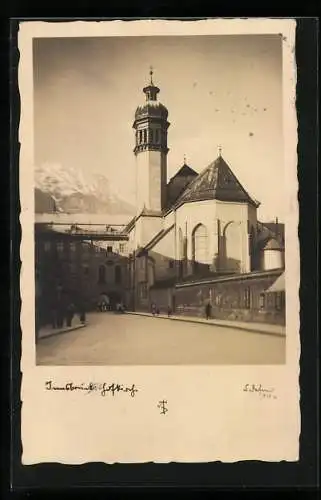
[{"x": 151, "y": 150}]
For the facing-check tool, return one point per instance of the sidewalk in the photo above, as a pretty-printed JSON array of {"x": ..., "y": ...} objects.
[
  {"x": 48, "y": 331},
  {"x": 263, "y": 328}
]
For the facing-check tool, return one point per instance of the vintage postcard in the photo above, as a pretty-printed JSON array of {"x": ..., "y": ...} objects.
[{"x": 160, "y": 254}]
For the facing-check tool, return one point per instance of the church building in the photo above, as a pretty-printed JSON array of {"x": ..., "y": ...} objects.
[{"x": 196, "y": 239}]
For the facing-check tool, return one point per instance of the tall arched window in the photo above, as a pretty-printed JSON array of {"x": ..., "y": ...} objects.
[
  {"x": 145, "y": 135},
  {"x": 101, "y": 274},
  {"x": 140, "y": 136},
  {"x": 117, "y": 275},
  {"x": 157, "y": 135},
  {"x": 151, "y": 136},
  {"x": 200, "y": 244}
]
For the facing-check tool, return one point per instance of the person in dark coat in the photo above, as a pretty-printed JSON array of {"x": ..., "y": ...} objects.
[
  {"x": 208, "y": 309},
  {"x": 81, "y": 309},
  {"x": 70, "y": 311},
  {"x": 169, "y": 311}
]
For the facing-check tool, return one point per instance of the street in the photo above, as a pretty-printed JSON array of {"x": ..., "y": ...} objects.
[{"x": 112, "y": 339}]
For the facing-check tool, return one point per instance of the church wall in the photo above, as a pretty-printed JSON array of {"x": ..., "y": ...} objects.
[
  {"x": 163, "y": 254},
  {"x": 146, "y": 229}
]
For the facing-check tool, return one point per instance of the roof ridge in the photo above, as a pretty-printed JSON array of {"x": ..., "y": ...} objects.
[{"x": 157, "y": 237}]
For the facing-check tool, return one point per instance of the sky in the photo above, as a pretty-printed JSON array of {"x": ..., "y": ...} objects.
[{"x": 219, "y": 91}]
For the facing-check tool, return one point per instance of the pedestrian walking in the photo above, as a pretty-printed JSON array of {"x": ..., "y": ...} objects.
[
  {"x": 169, "y": 311},
  {"x": 153, "y": 309},
  {"x": 82, "y": 310},
  {"x": 208, "y": 308},
  {"x": 70, "y": 311}
]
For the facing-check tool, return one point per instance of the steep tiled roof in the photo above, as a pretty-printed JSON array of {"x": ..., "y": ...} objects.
[
  {"x": 216, "y": 181},
  {"x": 184, "y": 171},
  {"x": 178, "y": 183}
]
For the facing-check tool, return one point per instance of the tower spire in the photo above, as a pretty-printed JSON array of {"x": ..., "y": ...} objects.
[{"x": 151, "y": 90}]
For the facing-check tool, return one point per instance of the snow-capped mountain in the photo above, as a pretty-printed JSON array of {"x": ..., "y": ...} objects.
[{"x": 73, "y": 192}]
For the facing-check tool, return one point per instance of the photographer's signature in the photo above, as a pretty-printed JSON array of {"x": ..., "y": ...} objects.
[{"x": 260, "y": 390}]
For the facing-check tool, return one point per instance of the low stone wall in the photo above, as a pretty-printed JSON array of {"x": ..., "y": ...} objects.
[
  {"x": 246, "y": 315},
  {"x": 238, "y": 298}
]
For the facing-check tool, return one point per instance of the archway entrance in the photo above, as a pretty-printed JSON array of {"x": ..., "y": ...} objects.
[{"x": 114, "y": 298}]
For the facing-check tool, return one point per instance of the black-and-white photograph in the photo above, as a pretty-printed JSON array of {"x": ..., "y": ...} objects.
[{"x": 159, "y": 200}]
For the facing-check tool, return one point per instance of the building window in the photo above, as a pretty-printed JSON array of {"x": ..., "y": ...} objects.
[
  {"x": 141, "y": 263},
  {"x": 143, "y": 291},
  {"x": 270, "y": 300},
  {"x": 47, "y": 246},
  {"x": 247, "y": 298},
  {"x": 101, "y": 274},
  {"x": 200, "y": 244},
  {"x": 151, "y": 136},
  {"x": 109, "y": 249},
  {"x": 278, "y": 301},
  {"x": 122, "y": 247},
  {"x": 60, "y": 246},
  {"x": 157, "y": 136},
  {"x": 73, "y": 270},
  {"x": 171, "y": 264},
  {"x": 118, "y": 275},
  {"x": 262, "y": 300},
  {"x": 145, "y": 136},
  {"x": 85, "y": 247},
  {"x": 140, "y": 136}
]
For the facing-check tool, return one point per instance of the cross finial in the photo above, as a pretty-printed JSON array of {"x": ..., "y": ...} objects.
[
  {"x": 220, "y": 150},
  {"x": 151, "y": 72},
  {"x": 184, "y": 159}
]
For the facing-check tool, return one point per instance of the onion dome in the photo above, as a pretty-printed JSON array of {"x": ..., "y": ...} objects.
[{"x": 152, "y": 107}]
